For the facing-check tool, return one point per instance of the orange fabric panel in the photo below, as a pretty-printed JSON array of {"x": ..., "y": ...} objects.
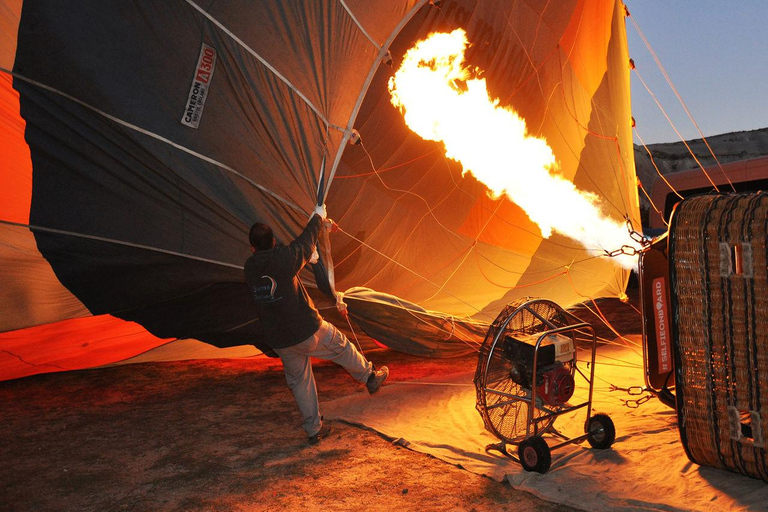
[
  {"x": 10, "y": 12},
  {"x": 585, "y": 41},
  {"x": 72, "y": 344},
  {"x": 16, "y": 171},
  {"x": 501, "y": 223}
]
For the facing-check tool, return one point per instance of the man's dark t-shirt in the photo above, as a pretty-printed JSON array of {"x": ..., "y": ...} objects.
[{"x": 287, "y": 313}]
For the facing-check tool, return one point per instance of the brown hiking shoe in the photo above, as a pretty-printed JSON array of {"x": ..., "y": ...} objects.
[{"x": 376, "y": 379}]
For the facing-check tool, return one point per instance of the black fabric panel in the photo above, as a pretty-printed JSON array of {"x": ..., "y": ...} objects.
[
  {"x": 170, "y": 296},
  {"x": 94, "y": 177}
]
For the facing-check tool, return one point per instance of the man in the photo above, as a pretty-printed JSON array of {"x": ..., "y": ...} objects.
[{"x": 292, "y": 325}]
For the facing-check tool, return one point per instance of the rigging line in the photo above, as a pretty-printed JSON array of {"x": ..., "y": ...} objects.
[
  {"x": 397, "y": 263},
  {"x": 609, "y": 384},
  {"x": 155, "y": 136},
  {"x": 382, "y": 53},
  {"x": 470, "y": 250},
  {"x": 606, "y": 341},
  {"x": 613, "y": 139},
  {"x": 55, "y": 231},
  {"x": 619, "y": 364},
  {"x": 624, "y": 174},
  {"x": 679, "y": 98},
  {"x": 655, "y": 208},
  {"x": 546, "y": 271},
  {"x": 658, "y": 171},
  {"x": 604, "y": 357},
  {"x": 600, "y": 315},
  {"x": 538, "y": 25},
  {"x": 359, "y": 25},
  {"x": 600, "y": 339},
  {"x": 430, "y": 209},
  {"x": 675, "y": 129},
  {"x": 586, "y": 129},
  {"x": 639, "y": 313},
  {"x": 265, "y": 63},
  {"x": 385, "y": 169},
  {"x": 499, "y": 217},
  {"x": 422, "y": 383},
  {"x": 535, "y": 69},
  {"x": 515, "y": 287},
  {"x": 445, "y": 283}
]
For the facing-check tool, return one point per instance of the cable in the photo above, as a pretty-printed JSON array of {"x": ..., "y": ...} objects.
[
  {"x": 679, "y": 98},
  {"x": 690, "y": 151}
]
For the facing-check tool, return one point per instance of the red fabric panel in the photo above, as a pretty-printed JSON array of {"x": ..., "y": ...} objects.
[
  {"x": 72, "y": 344},
  {"x": 16, "y": 170}
]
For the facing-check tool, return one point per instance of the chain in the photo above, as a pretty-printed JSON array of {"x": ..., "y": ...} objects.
[
  {"x": 643, "y": 241},
  {"x": 634, "y": 403}
]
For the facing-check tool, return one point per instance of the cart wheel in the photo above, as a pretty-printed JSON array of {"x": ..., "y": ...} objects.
[
  {"x": 534, "y": 454},
  {"x": 601, "y": 431}
]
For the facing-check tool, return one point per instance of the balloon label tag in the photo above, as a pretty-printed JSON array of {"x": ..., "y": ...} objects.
[{"x": 199, "y": 90}]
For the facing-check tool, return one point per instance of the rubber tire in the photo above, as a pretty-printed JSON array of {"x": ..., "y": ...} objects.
[
  {"x": 534, "y": 455},
  {"x": 601, "y": 431}
]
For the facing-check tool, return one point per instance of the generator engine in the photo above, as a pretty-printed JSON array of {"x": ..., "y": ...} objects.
[{"x": 554, "y": 379}]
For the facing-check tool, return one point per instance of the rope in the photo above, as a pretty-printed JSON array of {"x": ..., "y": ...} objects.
[
  {"x": 653, "y": 162},
  {"x": 614, "y": 139},
  {"x": 600, "y": 313},
  {"x": 420, "y": 383},
  {"x": 385, "y": 169},
  {"x": 266, "y": 64},
  {"x": 679, "y": 98},
  {"x": 115, "y": 241},
  {"x": 397, "y": 263},
  {"x": 690, "y": 151},
  {"x": 357, "y": 342},
  {"x": 155, "y": 136},
  {"x": 653, "y": 205}
]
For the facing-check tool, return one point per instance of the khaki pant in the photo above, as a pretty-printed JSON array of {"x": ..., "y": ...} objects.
[{"x": 327, "y": 343}]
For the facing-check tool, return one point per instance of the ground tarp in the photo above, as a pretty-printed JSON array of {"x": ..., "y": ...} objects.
[{"x": 646, "y": 469}]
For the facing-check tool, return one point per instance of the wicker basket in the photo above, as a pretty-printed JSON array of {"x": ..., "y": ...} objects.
[{"x": 719, "y": 297}]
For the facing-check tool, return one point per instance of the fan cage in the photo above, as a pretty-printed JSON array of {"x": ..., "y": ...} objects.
[{"x": 500, "y": 401}]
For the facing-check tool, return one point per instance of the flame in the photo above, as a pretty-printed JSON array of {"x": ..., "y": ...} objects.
[{"x": 442, "y": 101}]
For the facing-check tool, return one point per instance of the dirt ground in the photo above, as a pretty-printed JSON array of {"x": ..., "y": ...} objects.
[{"x": 224, "y": 435}]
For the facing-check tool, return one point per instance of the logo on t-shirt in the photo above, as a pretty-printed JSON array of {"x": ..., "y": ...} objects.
[{"x": 264, "y": 292}]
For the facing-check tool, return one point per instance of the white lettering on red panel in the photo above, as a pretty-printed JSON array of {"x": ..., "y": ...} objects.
[
  {"x": 200, "y": 84},
  {"x": 661, "y": 319}
]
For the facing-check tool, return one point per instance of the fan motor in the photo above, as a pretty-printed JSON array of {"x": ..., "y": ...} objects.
[{"x": 554, "y": 381}]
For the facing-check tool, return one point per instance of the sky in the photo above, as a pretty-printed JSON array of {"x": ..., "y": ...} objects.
[{"x": 716, "y": 55}]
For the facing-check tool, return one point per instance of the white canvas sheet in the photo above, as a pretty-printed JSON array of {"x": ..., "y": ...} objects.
[{"x": 646, "y": 469}]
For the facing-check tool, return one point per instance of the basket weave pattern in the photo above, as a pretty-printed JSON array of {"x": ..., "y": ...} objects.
[{"x": 717, "y": 252}]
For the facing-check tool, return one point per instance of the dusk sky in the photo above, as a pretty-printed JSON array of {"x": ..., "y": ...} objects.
[{"x": 715, "y": 53}]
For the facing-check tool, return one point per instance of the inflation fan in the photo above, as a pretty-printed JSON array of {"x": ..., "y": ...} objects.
[{"x": 526, "y": 376}]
